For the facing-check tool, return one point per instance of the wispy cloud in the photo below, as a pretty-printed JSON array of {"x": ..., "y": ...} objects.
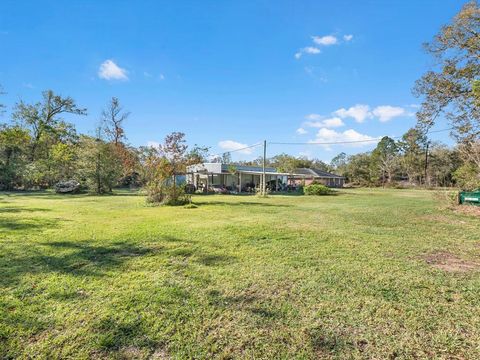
[
  {"x": 327, "y": 123},
  {"x": 301, "y": 131},
  {"x": 230, "y": 145},
  {"x": 109, "y": 70},
  {"x": 321, "y": 41},
  {"x": 326, "y": 40},
  {"x": 387, "y": 112},
  {"x": 307, "y": 50}
]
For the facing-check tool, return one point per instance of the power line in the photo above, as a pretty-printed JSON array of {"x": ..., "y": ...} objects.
[
  {"x": 235, "y": 150},
  {"x": 348, "y": 142}
]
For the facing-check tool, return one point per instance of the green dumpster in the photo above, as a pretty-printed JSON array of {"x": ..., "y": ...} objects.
[{"x": 469, "y": 197}]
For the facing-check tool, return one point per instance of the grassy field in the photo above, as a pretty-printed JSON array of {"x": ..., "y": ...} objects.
[{"x": 364, "y": 274}]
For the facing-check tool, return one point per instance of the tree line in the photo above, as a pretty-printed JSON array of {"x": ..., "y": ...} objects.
[{"x": 39, "y": 149}]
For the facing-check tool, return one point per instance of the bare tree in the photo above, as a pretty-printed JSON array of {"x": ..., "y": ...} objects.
[{"x": 113, "y": 117}]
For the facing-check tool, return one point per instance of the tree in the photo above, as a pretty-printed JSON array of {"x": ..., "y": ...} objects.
[
  {"x": 449, "y": 88},
  {"x": 13, "y": 149},
  {"x": 163, "y": 164},
  {"x": 98, "y": 163},
  {"x": 452, "y": 88},
  {"x": 42, "y": 118},
  {"x": 339, "y": 163},
  {"x": 412, "y": 146},
  {"x": 386, "y": 157},
  {"x": 113, "y": 117}
]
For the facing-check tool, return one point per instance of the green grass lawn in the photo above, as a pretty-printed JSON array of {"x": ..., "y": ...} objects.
[{"x": 365, "y": 274}]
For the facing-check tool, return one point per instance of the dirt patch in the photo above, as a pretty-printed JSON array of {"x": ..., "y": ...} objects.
[
  {"x": 468, "y": 210},
  {"x": 451, "y": 263}
]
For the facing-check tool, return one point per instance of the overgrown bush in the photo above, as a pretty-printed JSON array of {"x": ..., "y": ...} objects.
[
  {"x": 164, "y": 194},
  {"x": 317, "y": 189}
]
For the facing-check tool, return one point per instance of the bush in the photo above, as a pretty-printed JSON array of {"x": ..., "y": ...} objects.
[
  {"x": 317, "y": 189},
  {"x": 162, "y": 194}
]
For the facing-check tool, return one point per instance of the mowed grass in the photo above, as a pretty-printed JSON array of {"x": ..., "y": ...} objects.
[{"x": 282, "y": 277}]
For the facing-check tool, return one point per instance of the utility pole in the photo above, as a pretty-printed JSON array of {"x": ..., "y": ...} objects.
[
  {"x": 264, "y": 185},
  {"x": 426, "y": 163}
]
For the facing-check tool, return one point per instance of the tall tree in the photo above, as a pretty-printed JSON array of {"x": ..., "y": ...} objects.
[
  {"x": 43, "y": 117},
  {"x": 412, "y": 146},
  {"x": 113, "y": 117},
  {"x": 386, "y": 157},
  {"x": 449, "y": 88}
]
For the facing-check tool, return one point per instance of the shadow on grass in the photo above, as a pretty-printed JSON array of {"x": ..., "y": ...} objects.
[
  {"x": 21, "y": 209},
  {"x": 26, "y": 224},
  {"x": 239, "y": 203},
  {"x": 78, "y": 259}
]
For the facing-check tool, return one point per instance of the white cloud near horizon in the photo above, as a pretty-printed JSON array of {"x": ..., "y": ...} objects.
[
  {"x": 301, "y": 131},
  {"x": 326, "y": 40},
  {"x": 153, "y": 144},
  {"x": 230, "y": 145},
  {"x": 359, "y": 112},
  {"x": 109, "y": 70},
  {"x": 348, "y": 37},
  {"x": 350, "y": 136},
  {"x": 388, "y": 112}
]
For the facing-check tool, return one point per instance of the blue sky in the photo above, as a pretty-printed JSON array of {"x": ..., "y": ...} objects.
[{"x": 228, "y": 73}]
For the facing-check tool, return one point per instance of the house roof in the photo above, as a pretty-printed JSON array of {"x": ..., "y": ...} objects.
[
  {"x": 218, "y": 168},
  {"x": 316, "y": 173}
]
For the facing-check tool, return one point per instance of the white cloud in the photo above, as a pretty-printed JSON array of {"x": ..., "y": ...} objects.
[
  {"x": 230, "y": 145},
  {"x": 153, "y": 144},
  {"x": 333, "y": 122},
  {"x": 313, "y": 117},
  {"x": 348, "y": 37},
  {"x": 387, "y": 112},
  {"x": 312, "y": 50},
  {"x": 326, "y": 123},
  {"x": 325, "y": 40},
  {"x": 110, "y": 71},
  {"x": 359, "y": 112},
  {"x": 350, "y": 136},
  {"x": 301, "y": 131},
  {"x": 161, "y": 77}
]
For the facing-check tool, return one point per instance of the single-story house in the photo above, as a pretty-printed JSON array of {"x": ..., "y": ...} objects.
[
  {"x": 307, "y": 176},
  {"x": 240, "y": 178}
]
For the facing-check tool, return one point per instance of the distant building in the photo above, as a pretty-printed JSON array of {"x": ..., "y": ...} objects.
[
  {"x": 323, "y": 177},
  {"x": 239, "y": 178}
]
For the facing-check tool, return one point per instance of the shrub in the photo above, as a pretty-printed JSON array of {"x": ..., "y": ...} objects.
[
  {"x": 317, "y": 189},
  {"x": 163, "y": 194}
]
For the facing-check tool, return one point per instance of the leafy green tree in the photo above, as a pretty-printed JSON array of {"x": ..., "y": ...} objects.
[
  {"x": 13, "y": 155},
  {"x": 99, "y": 167},
  {"x": 385, "y": 156},
  {"x": 412, "y": 147},
  {"x": 43, "y": 118},
  {"x": 449, "y": 87}
]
